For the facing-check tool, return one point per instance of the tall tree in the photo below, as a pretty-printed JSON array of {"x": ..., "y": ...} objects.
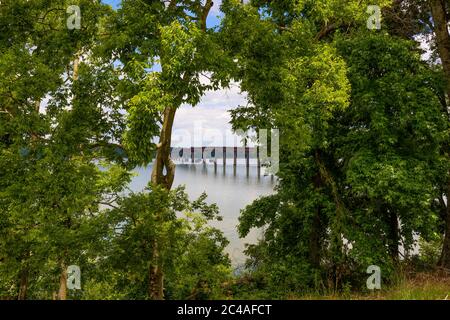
[
  {"x": 440, "y": 11},
  {"x": 192, "y": 253},
  {"x": 50, "y": 182},
  {"x": 325, "y": 94},
  {"x": 423, "y": 21},
  {"x": 163, "y": 51}
]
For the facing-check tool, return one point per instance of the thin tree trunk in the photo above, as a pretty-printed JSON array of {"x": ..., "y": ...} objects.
[
  {"x": 439, "y": 13},
  {"x": 327, "y": 179},
  {"x": 314, "y": 236},
  {"x": 393, "y": 236},
  {"x": 156, "y": 276},
  {"x": 442, "y": 37},
  {"x": 163, "y": 174},
  {"x": 314, "y": 244},
  {"x": 336, "y": 224},
  {"x": 444, "y": 260},
  {"x": 163, "y": 162},
  {"x": 23, "y": 287},
  {"x": 62, "y": 293}
]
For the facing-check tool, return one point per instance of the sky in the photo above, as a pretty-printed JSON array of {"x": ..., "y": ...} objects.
[{"x": 207, "y": 123}]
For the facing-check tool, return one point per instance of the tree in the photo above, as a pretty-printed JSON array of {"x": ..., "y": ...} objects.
[
  {"x": 440, "y": 13},
  {"x": 430, "y": 18},
  {"x": 51, "y": 184},
  {"x": 163, "y": 52},
  {"x": 392, "y": 138},
  {"x": 191, "y": 251},
  {"x": 315, "y": 76}
]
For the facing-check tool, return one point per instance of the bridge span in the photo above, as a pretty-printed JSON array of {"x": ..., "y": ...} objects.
[{"x": 220, "y": 155}]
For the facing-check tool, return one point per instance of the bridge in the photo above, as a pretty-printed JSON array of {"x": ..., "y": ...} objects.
[{"x": 220, "y": 155}]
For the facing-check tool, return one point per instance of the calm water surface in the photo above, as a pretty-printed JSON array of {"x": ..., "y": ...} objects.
[{"x": 230, "y": 190}]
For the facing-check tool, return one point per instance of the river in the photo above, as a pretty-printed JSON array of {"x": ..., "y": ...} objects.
[{"x": 230, "y": 190}]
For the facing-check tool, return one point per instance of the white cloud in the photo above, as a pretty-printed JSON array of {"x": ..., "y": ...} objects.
[
  {"x": 425, "y": 44},
  {"x": 208, "y": 123},
  {"x": 215, "y": 10}
]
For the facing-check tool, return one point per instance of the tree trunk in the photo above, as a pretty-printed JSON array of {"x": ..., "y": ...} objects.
[
  {"x": 62, "y": 293},
  {"x": 314, "y": 240},
  {"x": 442, "y": 37},
  {"x": 327, "y": 179},
  {"x": 163, "y": 171},
  {"x": 393, "y": 236},
  {"x": 156, "y": 276},
  {"x": 163, "y": 162},
  {"x": 444, "y": 260},
  {"x": 23, "y": 288},
  {"x": 314, "y": 236},
  {"x": 163, "y": 174},
  {"x": 439, "y": 13}
]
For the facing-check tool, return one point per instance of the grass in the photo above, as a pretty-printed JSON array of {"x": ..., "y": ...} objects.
[{"x": 421, "y": 286}]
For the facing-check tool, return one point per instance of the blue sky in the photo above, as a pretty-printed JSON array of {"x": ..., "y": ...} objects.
[
  {"x": 208, "y": 122},
  {"x": 213, "y": 19},
  {"x": 113, "y": 3}
]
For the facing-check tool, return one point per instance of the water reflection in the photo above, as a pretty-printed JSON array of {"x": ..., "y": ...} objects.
[{"x": 231, "y": 189}]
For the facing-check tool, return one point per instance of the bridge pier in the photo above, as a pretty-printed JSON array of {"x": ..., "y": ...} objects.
[
  {"x": 224, "y": 155},
  {"x": 247, "y": 159},
  {"x": 258, "y": 165},
  {"x": 182, "y": 154}
]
